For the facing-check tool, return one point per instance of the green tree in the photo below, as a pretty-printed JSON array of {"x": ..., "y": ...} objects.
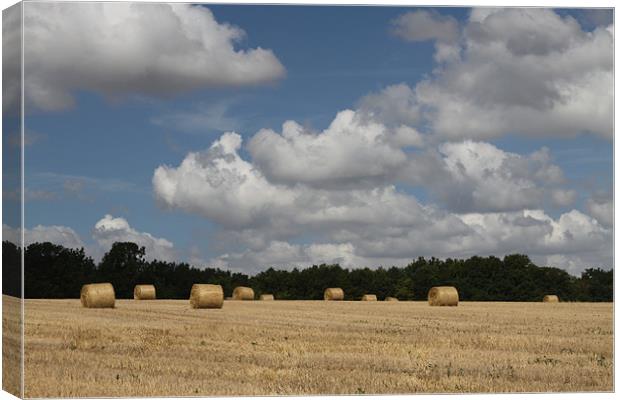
[
  {"x": 53, "y": 271},
  {"x": 11, "y": 269},
  {"x": 121, "y": 267}
]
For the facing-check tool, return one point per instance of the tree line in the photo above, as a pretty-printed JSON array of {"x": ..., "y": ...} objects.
[{"x": 53, "y": 271}]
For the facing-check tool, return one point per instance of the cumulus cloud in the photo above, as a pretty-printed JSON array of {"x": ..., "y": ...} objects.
[
  {"x": 473, "y": 176},
  {"x": 526, "y": 71},
  {"x": 601, "y": 209},
  {"x": 61, "y": 235},
  {"x": 576, "y": 264},
  {"x": 534, "y": 232},
  {"x": 422, "y": 25},
  {"x": 351, "y": 150},
  {"x": 231, "y": 191},
  {"x": 105, "y": 232},
  {"x": 110, "y": 229},
  {"x": 393, "y": 106},
  {"x": 121, "y": 49},
  {"x": 376, "y": 225},
  {"x": 284, "y": 255},
  {"x": 220, "y": 185},
  {"x": 574, "y": 242}
]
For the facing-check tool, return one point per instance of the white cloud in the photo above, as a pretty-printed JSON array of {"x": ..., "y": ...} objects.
[
  {"x": 477, "y": 176},
  {"x": 576, "y": 264},
  {"x": 422, "y": 25},
  {"x": 121, "y": 49},
  {"x": 534, "y": 232},
  {"x": 393, "y": 106},
  {"x": 521, "y": 70},
  {"x": 105, "y": 232},
  {"x": 284, "y": 255},
  {"x": 60, "y": 235},
  {"x": 110, "y": 229},
  {"x": 602, "y": 210},
  {"x": 219, "y": 185},
  {"x": 573, "y": 242},
  {"x": 375, "y": 225},
  {"x": 352, "y": 150}
]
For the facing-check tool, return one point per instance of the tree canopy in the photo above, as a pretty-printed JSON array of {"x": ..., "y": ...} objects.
[{"x": 53, "y": 271}]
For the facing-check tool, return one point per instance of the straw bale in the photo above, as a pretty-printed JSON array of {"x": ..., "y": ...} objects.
[
  {"x": 206, "y": 296},
  {"x": 243, "y": 293},
  {"x": 97, "y": 295},
  {"x": 144, "y": 292},
  {"x": 443, "y": 296},
  {"x": 551, "y": 298},
  {"x": 333, "y": 294}
]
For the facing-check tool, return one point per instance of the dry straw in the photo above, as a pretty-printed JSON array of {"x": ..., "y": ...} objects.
[
  {"x": 206, "y": 296},
  {"x": 369, "y": 297},
  {"x": 97, "y": 295},
  {"x": 243, "y": 293},
  {"x": 144, "y": 292},
  {"x": 443, "y": 296},
  {"x": 551, "y": 298},
  {"x": 333, "y": 294},
  {"x": 267, "y": 297},
  {"x": 391, "y": 298}
]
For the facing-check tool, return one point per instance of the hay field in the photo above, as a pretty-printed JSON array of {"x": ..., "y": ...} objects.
[
  {"x": 11, "y": 345},
  {"x": 165, "y": 348}
]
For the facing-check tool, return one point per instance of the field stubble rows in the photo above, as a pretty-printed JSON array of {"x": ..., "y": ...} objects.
[{"x": 165, "y": 348}]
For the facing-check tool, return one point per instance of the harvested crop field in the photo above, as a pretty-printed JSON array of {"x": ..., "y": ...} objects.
[{"x": 166, "y": 348}]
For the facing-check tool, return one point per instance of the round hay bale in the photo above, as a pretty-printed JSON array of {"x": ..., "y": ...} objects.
[
  {"x": 206, "y": 296},
  {"x": 243, "y": 293},
  {"x": 333, "y": 294},
  {"x": 267, "y": 297},
  {"x": 97, "y": 295},
  {"x": 443, "y": 296},
  {"x": 391, "y": 299},
  {"x": 369, "y": 297},
  {"x": 144, "y": 292},
  {"x": 551, "y": 298}
]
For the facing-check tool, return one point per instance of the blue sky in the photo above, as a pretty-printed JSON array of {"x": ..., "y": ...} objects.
[{"x": 96, "y": 154}]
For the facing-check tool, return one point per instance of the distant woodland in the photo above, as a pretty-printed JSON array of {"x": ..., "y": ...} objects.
[{"x": 53, "y": 271}]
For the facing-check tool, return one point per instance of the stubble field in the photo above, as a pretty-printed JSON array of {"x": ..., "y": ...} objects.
[{"x": 165, "y": 348}]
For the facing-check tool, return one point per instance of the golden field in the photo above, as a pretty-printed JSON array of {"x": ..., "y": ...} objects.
[
  {"x": 11, "y": 345},
  {"x": 165, "y": 348}
]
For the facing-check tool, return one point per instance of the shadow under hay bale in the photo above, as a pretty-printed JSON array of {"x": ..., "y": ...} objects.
[
  {"x": 443, "y": 296},
  {"x": 206, "y": 296},
  {"x": 332, "y": 294},
  {"x": 243, "y": 293},
  {"x": 97, "y": 295},
  {"x": 144, "y": 292}
]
